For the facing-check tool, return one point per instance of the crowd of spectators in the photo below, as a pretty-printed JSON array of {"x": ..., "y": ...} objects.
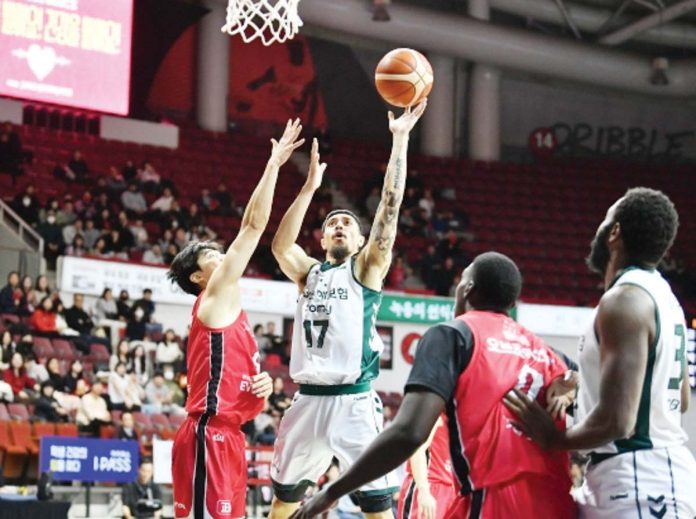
[
  {"x": 132, "y": 212},
  {"x": 112, "y": 215},
  {"x": 446, "y": 233},
  {"x": 145, "y": 372}
]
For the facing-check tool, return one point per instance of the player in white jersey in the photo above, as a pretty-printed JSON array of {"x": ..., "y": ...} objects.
[
  {"x": 632, "y": 387},
  {"x": 335, "y": 347}
]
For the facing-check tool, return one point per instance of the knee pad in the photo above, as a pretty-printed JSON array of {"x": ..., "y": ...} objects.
[
  {"x": 290, "y": 493},
  {"x": 372, "y": 504}
]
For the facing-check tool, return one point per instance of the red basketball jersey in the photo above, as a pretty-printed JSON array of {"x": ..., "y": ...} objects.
[
  {"x": 486, "y": 449},
  {"x": 439, "y": 459},
  {"x": 220, "y": 365}
]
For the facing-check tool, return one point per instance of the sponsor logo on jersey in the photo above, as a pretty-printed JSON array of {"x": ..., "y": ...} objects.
[
  {"x": 245, "y": 384},
  {"x": 218, "y": 438},
  {"x": 511, "y": 332},
  {"x": 657, "y": 506},
  {"x": 224, "y": 507},
  {"x": 519, "y": 350},
  {"x": 315, "y": 309},
  {"x": 616, "y": 497},
  {"x": 179, "y": 506}
]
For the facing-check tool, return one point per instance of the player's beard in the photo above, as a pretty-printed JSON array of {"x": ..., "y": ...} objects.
[
  {"x": 339, "y": 253},
  {"x": 598, "y": 260}
]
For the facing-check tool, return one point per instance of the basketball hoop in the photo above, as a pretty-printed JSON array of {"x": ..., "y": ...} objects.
[{"x": 270, "y": 20}]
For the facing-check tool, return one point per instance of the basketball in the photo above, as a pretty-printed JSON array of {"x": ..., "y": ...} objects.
[{"x": 404, "y": 77}]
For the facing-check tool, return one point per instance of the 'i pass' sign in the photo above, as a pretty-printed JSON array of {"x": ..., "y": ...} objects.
[{"x": 87, "y": 459}]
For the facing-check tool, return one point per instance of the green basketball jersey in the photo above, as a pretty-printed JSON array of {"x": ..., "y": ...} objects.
[{"x": 334, "y": 339}]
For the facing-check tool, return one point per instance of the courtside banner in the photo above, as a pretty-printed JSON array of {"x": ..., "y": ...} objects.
[
  {"x": 90, "y": 276},
  {"x": 397, "y": 308},
  {"x": 88, "y": 459}
]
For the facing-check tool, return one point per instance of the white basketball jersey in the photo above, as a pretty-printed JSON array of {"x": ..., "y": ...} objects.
[
  {"x": 659, "y": 413},
  {"x": 334, "y": 340}
]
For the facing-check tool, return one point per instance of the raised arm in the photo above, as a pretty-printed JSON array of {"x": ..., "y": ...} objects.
[
  {"x": 256, "y": 215},
  {"x": 374, "y": 260},
  {"x": 293, "y": 260}
]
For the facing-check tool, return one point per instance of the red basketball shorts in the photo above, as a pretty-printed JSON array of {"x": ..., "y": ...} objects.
[
  {"x": 530, "y": 495},
  {"x": 209, "y": 469},
  {"x": 408, "y": 499}
]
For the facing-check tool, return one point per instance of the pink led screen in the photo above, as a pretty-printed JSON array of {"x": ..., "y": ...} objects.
[{"x": 68, "y": 52}]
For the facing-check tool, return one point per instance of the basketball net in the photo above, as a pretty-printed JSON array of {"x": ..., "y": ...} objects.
[{"x": 271, "y": 20}]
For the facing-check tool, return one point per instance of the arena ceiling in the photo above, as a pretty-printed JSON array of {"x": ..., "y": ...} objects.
[{"x": 606, "y": 22}]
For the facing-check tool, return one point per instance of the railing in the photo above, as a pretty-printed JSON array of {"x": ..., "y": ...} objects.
[{"x": 26, "y": 234}]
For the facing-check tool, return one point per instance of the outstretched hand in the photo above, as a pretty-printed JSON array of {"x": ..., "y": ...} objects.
[
  {"x": 282, "y": 149},
  {"x": 320, "y": 503},
  {"x": 316, "y": 168},
  {"x": 405, "y": 123}
]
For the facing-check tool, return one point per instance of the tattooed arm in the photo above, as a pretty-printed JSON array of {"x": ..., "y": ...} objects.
[{"x": 374, "y": 260}]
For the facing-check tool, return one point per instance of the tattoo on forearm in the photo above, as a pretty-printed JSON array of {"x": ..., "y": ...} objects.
[
  {"x": 384, "y": 230},
  {"x": 398, "y": 174},
  {"x": 382, "y": 237},
  {"x": 390, "y": 199}
]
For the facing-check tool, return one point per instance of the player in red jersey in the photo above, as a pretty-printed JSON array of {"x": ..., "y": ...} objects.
[
  {"x": 428, "y": 489},
  {"x": 464, "y": 367},
  {"x": 225, "y": 388}
]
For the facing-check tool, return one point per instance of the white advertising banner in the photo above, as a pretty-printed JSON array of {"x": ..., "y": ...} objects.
[
  {"x": 162, "y": 461},
  {"x": 90, "y": 276},
  {"x": 560, "y": 321}
]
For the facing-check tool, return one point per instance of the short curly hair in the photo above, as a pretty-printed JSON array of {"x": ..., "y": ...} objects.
[
  {"x": 186, "y": 263},
  {"x": 497, "y": 282},
  {"x": 649, "y": 223}
]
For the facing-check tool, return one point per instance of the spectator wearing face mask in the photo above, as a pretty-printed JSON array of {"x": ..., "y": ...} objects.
[
  {"x": 26, "y": 205},
  {"x": 52, "y": 235}
]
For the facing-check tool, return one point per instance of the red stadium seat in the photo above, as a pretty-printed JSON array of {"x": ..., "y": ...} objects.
[
  {"x": 9, "y": 318},
  {"x": 176, "y": 420},
  {"x": 98, "y": 353},
  {"x": 42, "y": 429},
  {"x": 66, "y": 429},
  {"x": 20, "y": 432},
  {"x": 143, "y": 423},
  {"x": 64, "y": 350},
  {"x": 13, "y": 456},
  {"x": 160, "y": 422},
  {"x": 43, "y": 348},
  {"x": 18, "y": 412},
  {"x": 116, "y": 417},
  {"x": 107, "y": 432}
]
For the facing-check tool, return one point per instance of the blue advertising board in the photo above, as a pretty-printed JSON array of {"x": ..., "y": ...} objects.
[{"x": 89, "y": 459}]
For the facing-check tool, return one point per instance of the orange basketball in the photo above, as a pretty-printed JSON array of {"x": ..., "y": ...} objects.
[{"x": 404, "y": 77}]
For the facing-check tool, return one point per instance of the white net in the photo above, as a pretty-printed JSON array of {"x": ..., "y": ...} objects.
[{"x": 270, "y": 20}]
